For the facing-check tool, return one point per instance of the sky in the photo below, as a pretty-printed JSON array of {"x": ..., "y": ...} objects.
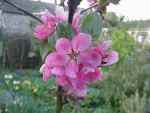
[{"x": 131, "y": 9}]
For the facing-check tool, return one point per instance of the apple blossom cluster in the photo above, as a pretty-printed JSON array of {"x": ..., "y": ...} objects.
[
  {"x": 48, "y": 26},
  {"x": 76, "y": 62},
  {"x": 50, "y": 23}
]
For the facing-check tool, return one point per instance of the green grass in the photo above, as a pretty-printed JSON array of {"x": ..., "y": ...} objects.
[{"x": 125, "y": 89}]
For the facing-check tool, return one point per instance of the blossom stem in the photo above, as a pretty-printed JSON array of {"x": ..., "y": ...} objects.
[
  {"x": 59, "y": 105},
  {"x": 72, "y": 4}
]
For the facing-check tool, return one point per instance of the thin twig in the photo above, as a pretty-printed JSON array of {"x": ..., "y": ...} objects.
[
  {"x": 100, "y": 7},
  {"x": 95, "y": 5},
  {"x": 23, "y": 10}
]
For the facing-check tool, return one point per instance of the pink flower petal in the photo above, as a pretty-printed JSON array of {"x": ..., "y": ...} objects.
[
  {"x": 47, "y": 17},
  {"x": 42, "y": 32},
  {"x": 51, "y": 20},
  {"x": 75, "y": 23},
  {"x": 92, "y": 77},
  {"x": 104, "y": 46},
  {"x": 57, "y": 59},
  {"x": 61, "y": 18},
  {"x": 72, "y": 69},
  {"x": 63, "y": 45},
  {"x": 81, "y": 42},
  {"x": 46, "y": 70},
  {"x": 62, "y": 81},
  {"x": 111, "y": 58},
  {"x": 58, "y": 71},
  {"x": 78, "y": 87},
  {"x": 86, "y": 69},
  {"x": 91, "y": 58}
]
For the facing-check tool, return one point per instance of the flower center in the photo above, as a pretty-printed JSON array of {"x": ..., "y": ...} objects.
[{"x": 73, "y": 55}]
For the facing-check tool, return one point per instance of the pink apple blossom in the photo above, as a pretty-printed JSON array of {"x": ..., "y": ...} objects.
[
  {"x": 108, "y": 57},
  {"x": 68, "y": 53},
  {"x": 46, "y": 70},
  {"x": 76, "y": 63},
  {"x": 42, "y": 32},
  {"x": 50, "y": 22},
  {"x": 76, "y": 22},
  {"x": 48, "y": 27}
]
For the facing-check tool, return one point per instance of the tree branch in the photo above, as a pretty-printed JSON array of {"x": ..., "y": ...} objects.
[
  {"x": 23, "y": 10},
  {"x": 72, "y": 4}
]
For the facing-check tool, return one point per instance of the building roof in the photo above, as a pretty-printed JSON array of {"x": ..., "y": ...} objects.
[{"x": 28, "y": 5}]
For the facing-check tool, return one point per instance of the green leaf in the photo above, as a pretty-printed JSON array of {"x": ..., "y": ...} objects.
[
  {"x": 92, "y": 24},
  {"x": 65, "y": 30},
  {"x": 105, "y": 70},
  {"x": 102, "y": 1}
]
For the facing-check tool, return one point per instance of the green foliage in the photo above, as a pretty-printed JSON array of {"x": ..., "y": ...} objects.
[
  {"x": 25, "y": 92},
  {"x": 123, "y": 42},
  {"x": 65, "y": 30},
  {"x": 93, "y": 20},
  {"x": 24, "y": 104},
  {"x": 102, "y": 1},
  {"x": 125, "y": 89},
  {"x": 140, "y": 24},
  {"x": 134, "y": 104},
  {"x": 113, "y": 20},
  {"x": 147, "y": 47}
]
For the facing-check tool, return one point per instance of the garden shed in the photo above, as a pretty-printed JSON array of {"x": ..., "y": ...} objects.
[
  {"x": 16, "y": 27},
  {"x": 13, "y": 21}
]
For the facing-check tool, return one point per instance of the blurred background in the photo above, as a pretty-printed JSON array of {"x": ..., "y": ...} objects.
[{"x": 126, "y": 87}]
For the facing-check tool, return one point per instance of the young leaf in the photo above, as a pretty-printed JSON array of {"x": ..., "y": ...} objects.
[
  {"x": 65, "y": 30},
  {"x": 92, "y": 24},
  {"x": 102, "y": 1}
]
